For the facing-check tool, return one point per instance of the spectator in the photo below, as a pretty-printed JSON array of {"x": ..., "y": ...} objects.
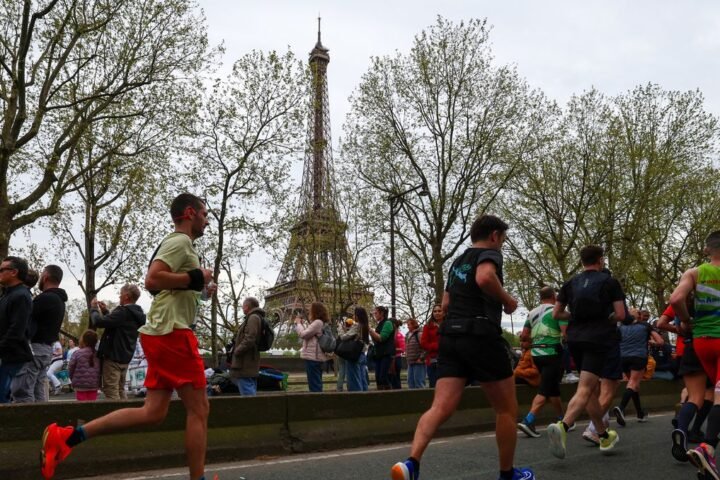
[
  {"x": 118, "y": 341},
  {"x": 341, "y": 364},
  {"x": 245, "y": 364},
  {"x": 48, "y": 312},
  {"x": 15, "y": 311},
  {"x": 312, "y": 354},
  {"x": 56, "y": 364},
  {"x": 414, "y": 355},
  {"x": 358, "y": 329},
  {"x": 384, "y": 340},
  {"x": 430, "y": 341},
  {"x": 85, "y": 369},
  {"x": 396, "y": 366}
]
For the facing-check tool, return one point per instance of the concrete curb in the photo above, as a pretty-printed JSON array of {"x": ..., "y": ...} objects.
[{"x": 265, "y": 426}]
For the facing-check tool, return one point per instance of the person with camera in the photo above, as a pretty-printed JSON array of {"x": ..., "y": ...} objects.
[
  {"x": 472, "y": 349},
  {"x": 176, "y": 279},
  {"x": 117, "y": 344}
]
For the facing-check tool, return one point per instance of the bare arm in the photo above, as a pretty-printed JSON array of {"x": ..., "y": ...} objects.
[
  {"x": 663, "y": 323},
  {"x": 618, "y": 311},
  {"x": 559, "y": 312},
  {"x": 525, "y": 335},
  {"x": 161, "y": 277},
  {"x": 656, "y": 339},
  {"x": 680, "y": 294},
  {"x": 487, "y": 279}
]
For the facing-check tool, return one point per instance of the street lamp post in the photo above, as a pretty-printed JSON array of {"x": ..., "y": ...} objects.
[{"x": 394, "y": 201}]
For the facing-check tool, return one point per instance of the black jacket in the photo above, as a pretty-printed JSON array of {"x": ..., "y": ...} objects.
[
  {"x": 121, "y": 331},
  {"x": 15, "y": 311},
  {"x": 48, "y": 313}
]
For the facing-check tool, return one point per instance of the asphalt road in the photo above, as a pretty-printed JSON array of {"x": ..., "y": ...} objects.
[{"x": 642, "y": 453}]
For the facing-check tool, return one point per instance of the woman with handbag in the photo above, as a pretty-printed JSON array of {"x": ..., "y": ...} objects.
[
  {"x": 314, "y": 357},
  {"x": 352, "y": 347}
]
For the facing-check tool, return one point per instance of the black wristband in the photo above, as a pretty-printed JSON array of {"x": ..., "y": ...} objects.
[{"x": 197, "y": 280}]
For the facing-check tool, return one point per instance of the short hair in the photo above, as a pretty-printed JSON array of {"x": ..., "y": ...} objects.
[
  {"x": 318, "y": 311},
  {"x": 251, "y": 302},
  {"x": 546, "y": 293},
  {"x": 591, "y": 254},
  {"x": 412, "y": 321},
  {"x": 132, "y": 290},
  {"x": 54, "y": 273},
  {"x": 383, "y": 310},
  {"x": 183, "y": 201},
  {"x": 712, "y": 241},
  {"x": 483, "y": 226},
  {"x": 20, "y": 265},
  {"x": 32, "y": 278}
]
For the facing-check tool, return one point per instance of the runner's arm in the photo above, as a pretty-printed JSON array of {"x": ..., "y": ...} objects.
[
  {"x": 161, "y": 277},
  {"x": 679, "y": 295},
  {"x": 487, "y": 279},
  {"x": 559, "y": 312}
]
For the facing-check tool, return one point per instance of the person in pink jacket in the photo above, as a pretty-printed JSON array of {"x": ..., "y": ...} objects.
[
  {"x": 84, "y": 368},
  {"x": 396, "y": 367},
  {"x": 311, "y": 352}
]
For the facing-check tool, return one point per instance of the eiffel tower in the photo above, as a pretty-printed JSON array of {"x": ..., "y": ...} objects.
[{"x": 318, "y": 264}]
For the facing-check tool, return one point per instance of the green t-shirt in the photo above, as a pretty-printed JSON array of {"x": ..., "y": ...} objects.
[
  {"x": 707, "y": 302},
  {"x": 544, "y": 330},
  {"x": 174, "y": 309}
]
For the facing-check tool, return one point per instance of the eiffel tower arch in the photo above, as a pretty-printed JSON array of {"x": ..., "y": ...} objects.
[{"x": 318, "y": 264}]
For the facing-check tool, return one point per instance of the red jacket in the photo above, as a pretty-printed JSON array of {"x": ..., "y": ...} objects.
[{"x": 430, "y": 341}]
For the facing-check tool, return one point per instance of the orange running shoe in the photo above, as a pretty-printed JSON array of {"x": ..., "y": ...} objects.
[{"x": 54, "y": 449}]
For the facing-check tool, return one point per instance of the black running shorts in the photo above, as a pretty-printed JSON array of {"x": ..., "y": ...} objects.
[
  {"x": 551, "y": 373},
  {"x": 476, "y": 358},
  {"x": 689, "y": 362},
  {"x": 613, "y": 364},
  {"x": 588, "y": 357},
  {"x": 634, "y": 363}
]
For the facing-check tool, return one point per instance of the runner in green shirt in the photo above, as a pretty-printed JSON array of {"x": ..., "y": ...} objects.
[{"x": 545, "y": 334}]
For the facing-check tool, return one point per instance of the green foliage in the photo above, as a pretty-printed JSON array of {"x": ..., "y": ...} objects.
[{"x": 513, "y": 340}]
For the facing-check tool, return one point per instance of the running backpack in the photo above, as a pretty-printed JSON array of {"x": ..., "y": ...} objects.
[
  {"x": 327, "y": 340},
  {"x": 587, "y": 297}
]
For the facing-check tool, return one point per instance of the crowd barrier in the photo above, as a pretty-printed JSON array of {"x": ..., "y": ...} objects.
[{"x": 265, "y": 426}]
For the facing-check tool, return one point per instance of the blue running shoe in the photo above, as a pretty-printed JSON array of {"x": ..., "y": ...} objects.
[
  {"x": 404, "y": 471},
  {"x": 522, "y": 474}
]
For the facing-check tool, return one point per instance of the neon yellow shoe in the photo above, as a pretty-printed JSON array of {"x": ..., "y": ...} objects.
[
  {"x": 607, "y": 444},
  {"x": 558, "y": 439}
]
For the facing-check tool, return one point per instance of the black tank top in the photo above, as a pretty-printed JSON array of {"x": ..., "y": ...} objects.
[{"x": 467, "y": 300}]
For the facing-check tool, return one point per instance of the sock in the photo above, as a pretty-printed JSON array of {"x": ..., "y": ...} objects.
[
  {"x": 606, "y": 419},
  {"x": 605, "y": 434},
  {"x": 507, "y": 474},
  {"x": 636, "y": 402},
  {"x": 627, "y": 395},
  {"x": 530, "y": 418},
  {"x": 565, "y": 426},
  {"x": 415, "y": 463},
  {"x": 77, "y": 436},
  {"x": 592, "y": 428},
  {"x": 685, "y": 415},
  {"x": 702, "y": 415},
  {"x": 713, "y": 426}
]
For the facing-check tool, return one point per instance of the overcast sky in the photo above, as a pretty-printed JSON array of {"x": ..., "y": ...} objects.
[{"x": 560, "y": 47}]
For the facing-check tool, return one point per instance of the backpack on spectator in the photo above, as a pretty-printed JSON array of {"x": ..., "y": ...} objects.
[
  {"x": 327, "y": 340},
  {"x": 267, "y": 335}
]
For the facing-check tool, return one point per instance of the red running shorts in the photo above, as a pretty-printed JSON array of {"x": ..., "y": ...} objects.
[{"x": 173, "y": 360}]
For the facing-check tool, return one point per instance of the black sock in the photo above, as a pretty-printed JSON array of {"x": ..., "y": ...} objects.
[
  {"x": 507, "y": 474},
  {"x": 415, "y": 463},
  {"x": 636, "y": 402},
  {"x": 713, "y": 426},
  {"x": 702, "y": 415},
  {"x": 605, "y": 434},
  {"x": 685, "y": 416},
  {"x": 627, "y": 395},
  {"x": 566, "y": 426},
  {"x": 77, "y": 436}
]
